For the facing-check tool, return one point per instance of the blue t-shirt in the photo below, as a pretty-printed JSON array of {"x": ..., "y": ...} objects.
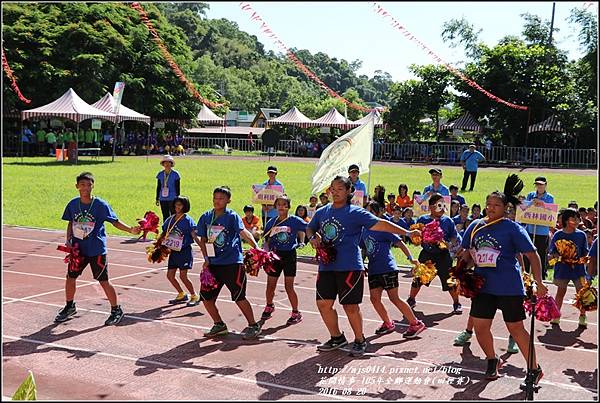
[
  {"x": 378, "y": 246},
  {"x": 285, "y": 235},
  {"x": 507, "y": 239},
  {"x": 460, "y": 224},
  {"x": 594, "y": 249},
  {"x": 471, "y": 160},
  {"x": 183, "y": 228},
  {"x": 226, "y": 228},
  {"x": 342, "y": 226},
  {"x": 273, "y": 212},
  {"x": 171, "y": 178},
  {"x": 539, "y": 229},
  {"x": 565, "y": 271},
  {"x": 446, "y": 224},
  {"x": 360, "y": 186},
  {"x": 458, "y": 197},
  {"x": 82, "y": 215},
  {"x": 443, "y": 190}
]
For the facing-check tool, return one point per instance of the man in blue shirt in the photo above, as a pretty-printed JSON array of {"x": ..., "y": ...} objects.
[
  {"x": 436, "y": 186},
  {"x": 469, "y": 161},
  {"x": 539, "y": 233},
  {"x": 359, "y": 186},
  {"x": 268, "y": 210}
]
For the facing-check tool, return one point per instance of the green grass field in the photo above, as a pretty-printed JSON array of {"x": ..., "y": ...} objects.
[{"x": 37, "y": 190}]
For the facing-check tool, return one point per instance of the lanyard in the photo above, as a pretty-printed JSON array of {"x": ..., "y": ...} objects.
[
  {"x": 165, "y": 183},
  {"x": 90, "y": 209},
  {"x": 212, "y": 221},
  {"x": 169, "y": 229},
  {"x": 483, "y": 226},
  {"x": 274, "y": 225}
]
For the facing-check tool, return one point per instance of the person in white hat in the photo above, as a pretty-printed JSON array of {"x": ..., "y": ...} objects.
[{"x": 168, "y": 186}]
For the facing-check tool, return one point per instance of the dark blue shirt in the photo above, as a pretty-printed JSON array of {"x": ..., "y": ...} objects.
[
  {"x": 183, "y": 228},
  {"x": 378, "y": 246},
  {"x": 285, "y": 235},
  {"x": 228, "y": 243},
  {"x": 565, "y": 271},
  {"x": 172, "y": 177}
]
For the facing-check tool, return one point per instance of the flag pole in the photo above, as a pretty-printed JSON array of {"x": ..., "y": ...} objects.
[{"x": 371, "y": 160}]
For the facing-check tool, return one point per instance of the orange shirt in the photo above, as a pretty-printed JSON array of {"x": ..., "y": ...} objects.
[
  {"x": 404, "y": 201},
  {"x": 253, "y": 223}
]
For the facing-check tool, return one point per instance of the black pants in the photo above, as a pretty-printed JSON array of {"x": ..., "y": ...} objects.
[
  {"x": 167, "y": 209},
  {"x": 466, "y": 175},
  {"x": 541, "y": 244}
]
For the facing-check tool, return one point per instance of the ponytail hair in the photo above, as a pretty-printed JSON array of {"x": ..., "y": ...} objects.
[{"x": 512, "y": 187}]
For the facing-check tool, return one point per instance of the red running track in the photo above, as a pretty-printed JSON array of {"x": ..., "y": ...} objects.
[{"x": 158, "y": 352}]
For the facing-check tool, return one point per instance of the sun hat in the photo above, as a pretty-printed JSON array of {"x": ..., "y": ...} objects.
[{"x": 167, "y": 158}]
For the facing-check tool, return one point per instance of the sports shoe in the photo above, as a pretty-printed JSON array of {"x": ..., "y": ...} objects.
[
  {"x": 295, "y": 317},
  {"x": 333, "y": 343},
  {"x": 414, "y": 329},
  {"x": 583, "y": 321},
  {"x": 411, "y": 302},
  {"x": 194, "y": 300},
  {"x": 218, "y": 329},
  {"x": 268, "y": 312},
  {"x": 181, "y": 297},
  {"x": 457, "y": 308},
  {"x": 358, "y": 348},
  {"x": 462, "y": 338},
  {"x": 252, "y": 331},
  {"x": 65, "y": 313},
  {"x": 493, "y": 365},
  {"x": 555, "y": 321},
  {"x": 536, "y": 374},
  {"x": 386, "y": 328},
  {"x": 512, "y": 347},
  {"x": 116, "y": 314}
]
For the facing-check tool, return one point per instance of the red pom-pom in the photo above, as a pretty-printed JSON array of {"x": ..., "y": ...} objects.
[
  {"x": 256, "y": 258},
  {"x": 208, "y": 282},
  {"x": 148, "y": 224},
  {"x": 545, "y": 308},
  {"x": 326, "y": 253},
  {"x": 74, "y": 260},
  {"x": 469, "y": 283}
]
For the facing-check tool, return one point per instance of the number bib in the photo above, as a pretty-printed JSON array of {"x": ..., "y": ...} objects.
[
  {"x": 82, "y": 230},
  {"x": 277, "y": 230},
  {"x": 485, "y": 257},
  {"x": 174, "y": 242},
  {"x": 165, "y": 192}
]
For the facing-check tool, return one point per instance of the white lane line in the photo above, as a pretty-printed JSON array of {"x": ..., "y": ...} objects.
[
  {"x": 168, "y": 322},
  {"x": 162, "y": 364},
  {"x": 436, "y": 328}
]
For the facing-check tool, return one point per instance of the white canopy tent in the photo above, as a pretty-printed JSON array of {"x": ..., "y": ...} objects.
[
  {"x": 69, "y": 106},
  {"x": 293, "y": 117},
  {"x": 333, "y": 119},
  {"x": 207, "y": 116}
]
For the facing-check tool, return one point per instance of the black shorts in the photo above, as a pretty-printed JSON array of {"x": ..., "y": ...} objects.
[
  {"x": 442, "y": 261},
  {"x": 484, "y": 306},
  {"x": 233, "y": 276},
  {"x": 387, "y": 281},
  {"x": 286, "y": 264},
  {"x": 349, "y": 285},
  {"x": 97, "y": 263}
]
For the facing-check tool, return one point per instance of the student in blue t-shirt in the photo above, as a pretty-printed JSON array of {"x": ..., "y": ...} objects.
[
  {"x": 359, "y": 186},
  {"x": 268, "y": 210},
  {"x": 469, "y": 160},
  {"x": 383, "y": 275},
  {"x": 221, "y": 231},
  {"x": 339, "y": 225},
  {"x": 178, "y": 234},
  {"x": 539, "y": 233},
  {"x": 564, "y": 273},
  {"x": 493, "y": 245},
  {"x": 461, "y": 221},
  {"x": 86, "y": 215},
  {"x": 281, "y": 236},
  {"x": 436, "y": 185},
  {"x": 168, "y": 186},
  {"x": 440, "y": 256}
]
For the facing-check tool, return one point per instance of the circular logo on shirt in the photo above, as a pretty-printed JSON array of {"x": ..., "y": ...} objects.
[
  {"x": 486, "y": 241},
  {"x": 84, "y": 217},
  {"x": 330, "y": 231},
  {"x": 220, "y": 241},
  {"x": 282, "y": 237},
  {"x": 371, "y": 246}
]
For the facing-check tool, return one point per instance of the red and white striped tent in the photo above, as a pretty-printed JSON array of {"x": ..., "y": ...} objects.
[
  {"x": 332, "y": 119},
  {"x": 293, "y": 117},
  {"x": 374, "y": 114},
  {"x": 552, "y": 124},
  {"x": 107, "y": 104},
  {"x": 466, "y": 122},
  {"x": 69, "y": 106},
  {"x": 208, "y": 117}
]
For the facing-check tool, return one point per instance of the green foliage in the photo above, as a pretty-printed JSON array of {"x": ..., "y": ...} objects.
[{"x": 26, "y": 390}]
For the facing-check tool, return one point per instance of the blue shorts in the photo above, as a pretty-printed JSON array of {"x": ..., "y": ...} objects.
[{"x": 181, "y": 260}]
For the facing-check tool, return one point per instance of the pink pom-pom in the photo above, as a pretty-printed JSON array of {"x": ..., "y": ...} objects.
[
  {"x": 207, "y": 280},
  {"x": 545, "y": 308},
  {"x": 433, "y": 233}
]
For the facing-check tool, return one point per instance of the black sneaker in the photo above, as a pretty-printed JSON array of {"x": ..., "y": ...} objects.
[
  {"x": 493, "y": 365},
  {"x": 333, "y": 343},
  {"x": 65, "y": 313},
  {"x": 116, "y": 314},
  {"x": 252, "y": 331},
  {"x": 411, "y": 302},
  {"x": 457, "y": 309},
  {"x": 359, "y": 349},
  {"x": 536, "y": 374}
]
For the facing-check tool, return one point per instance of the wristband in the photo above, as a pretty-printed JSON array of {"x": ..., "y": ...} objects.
[{"x": 409, "y": 257}]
